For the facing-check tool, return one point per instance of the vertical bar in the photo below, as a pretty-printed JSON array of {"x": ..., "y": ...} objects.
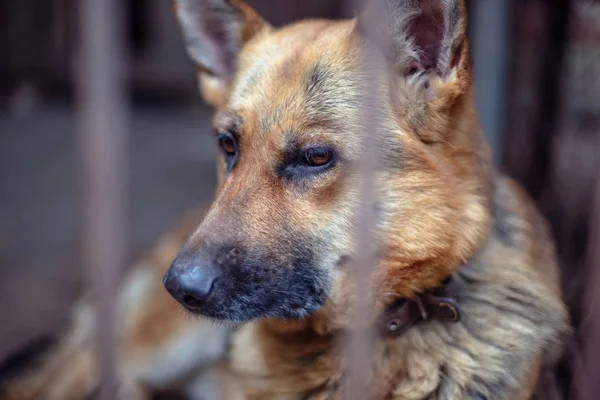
[
  {"x": 490, "y": 63},
  {"x": 362, "y": 338},
  {"x": 103, "y": 127},
  {"x": 547, "y": 120},
  {"x": 590, "y": 386}
]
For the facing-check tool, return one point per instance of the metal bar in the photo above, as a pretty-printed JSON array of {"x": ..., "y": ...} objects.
[
  {"x": 362, "y": 338},
  {"x": 549, "y": 92},
  {"x": 103, "y": 125},
  {"x": 490, "y": 47},
  {"x": 589, "y": 386}
]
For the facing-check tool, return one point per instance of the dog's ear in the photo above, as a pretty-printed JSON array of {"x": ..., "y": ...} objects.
[
  {"x": 214, "y": 32},
  {"x": 419, "y": 36},
  {"x": 424, "y": 42}
]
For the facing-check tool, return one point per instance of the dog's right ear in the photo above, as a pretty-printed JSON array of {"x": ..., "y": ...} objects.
[{"x": 214, "y": 32}]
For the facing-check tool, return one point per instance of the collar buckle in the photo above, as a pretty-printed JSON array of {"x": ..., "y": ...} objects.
[{"x": 441, "y": 304}]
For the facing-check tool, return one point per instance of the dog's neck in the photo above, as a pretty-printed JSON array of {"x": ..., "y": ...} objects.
[
  {"x": 314, "y": 348},
  {"x": 440, "y": 303}
]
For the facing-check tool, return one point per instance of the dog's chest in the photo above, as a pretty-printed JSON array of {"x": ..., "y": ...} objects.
[{"x": 281, "y": 373}]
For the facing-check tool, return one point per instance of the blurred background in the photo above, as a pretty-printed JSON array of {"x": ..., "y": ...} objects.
[{"x": 538, "y": 74}]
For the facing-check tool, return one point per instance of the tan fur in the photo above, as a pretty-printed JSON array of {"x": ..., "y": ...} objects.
[{"x": 452, "y": 214}]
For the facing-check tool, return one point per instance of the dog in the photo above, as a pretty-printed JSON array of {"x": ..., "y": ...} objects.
[
  {"x": 467, "y": 302},
  {"x": 465, "y": 283}
]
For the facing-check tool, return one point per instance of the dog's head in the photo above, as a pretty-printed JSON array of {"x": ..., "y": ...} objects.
[{"x": 276, "y": 241}]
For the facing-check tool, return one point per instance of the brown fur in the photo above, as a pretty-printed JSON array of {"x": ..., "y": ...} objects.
[{"x": 445, "y": 210}]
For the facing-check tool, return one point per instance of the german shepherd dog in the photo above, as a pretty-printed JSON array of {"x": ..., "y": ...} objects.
[{"x": 465, "y": 283}]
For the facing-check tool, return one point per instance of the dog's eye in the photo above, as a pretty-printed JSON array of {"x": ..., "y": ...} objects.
[
  {"x": 318, "y": 157},
  {"x": 228, "y": 145},
  {"x": 308, "y": 162}
]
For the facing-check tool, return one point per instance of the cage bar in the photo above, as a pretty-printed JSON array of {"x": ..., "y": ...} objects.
[
  {"x": 103, "y": 126},
  {"x": 361, "y": 340},
  {"x": 490, "y": 47},
  {"x": 589, "y": 386}
]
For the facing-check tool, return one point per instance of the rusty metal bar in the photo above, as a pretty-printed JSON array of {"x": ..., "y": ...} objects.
[{"x": 103, "y": 126}]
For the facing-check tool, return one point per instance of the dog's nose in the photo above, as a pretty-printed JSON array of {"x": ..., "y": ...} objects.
[{"x": 190, "y": 283}]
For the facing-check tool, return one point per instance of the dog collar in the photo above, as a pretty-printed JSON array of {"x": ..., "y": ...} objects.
[{"x": 441, "y": 304}]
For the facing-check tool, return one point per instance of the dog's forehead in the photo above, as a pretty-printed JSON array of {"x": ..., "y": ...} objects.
[{"x": 297, "y": 75}]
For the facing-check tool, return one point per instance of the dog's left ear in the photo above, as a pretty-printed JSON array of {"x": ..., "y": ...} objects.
[
  {"x": 424, "y": 44},
  {"x": 214, "y": 32}
]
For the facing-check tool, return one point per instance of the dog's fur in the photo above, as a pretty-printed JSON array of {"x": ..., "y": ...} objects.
[{"x": 442, "y": 210}]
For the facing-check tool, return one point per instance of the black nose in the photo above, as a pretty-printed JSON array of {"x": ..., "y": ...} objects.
[{"x": 190, "y": 280}]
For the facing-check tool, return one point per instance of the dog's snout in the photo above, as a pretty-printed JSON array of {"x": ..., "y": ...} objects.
[{"x": 190, "y": 280}]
